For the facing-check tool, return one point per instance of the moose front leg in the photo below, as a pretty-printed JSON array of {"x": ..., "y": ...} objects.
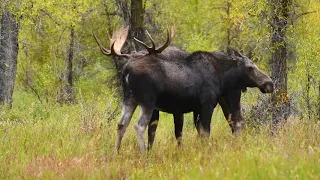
[
  {"x": 203, "y": 125},
  {"x": 152, "y": 128},
  {"x": 178, "y": 126},
  {"x": 226, "y": 111},
  {"x": 195, "y": 118},
  {"x": 237, "y": 119},
  {"x": 231, "y": 106}
]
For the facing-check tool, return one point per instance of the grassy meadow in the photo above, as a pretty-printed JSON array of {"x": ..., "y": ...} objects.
[
  {"x": 42, "y": 139},
  {"x": 49, "y": 141}
]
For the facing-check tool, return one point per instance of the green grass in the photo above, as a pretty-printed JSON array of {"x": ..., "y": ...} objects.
[{"x": 49, "y": 141}]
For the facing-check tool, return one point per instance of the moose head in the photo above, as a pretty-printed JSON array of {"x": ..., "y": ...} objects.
[{"x": 252, "y": 75}]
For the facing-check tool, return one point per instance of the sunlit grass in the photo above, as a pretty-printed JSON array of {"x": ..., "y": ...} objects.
[{"x": 76, "y": 142}]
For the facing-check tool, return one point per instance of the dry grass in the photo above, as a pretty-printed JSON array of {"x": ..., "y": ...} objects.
[
  {"x": 53, "y": 142},
  {"x": 41, "y": 165}
]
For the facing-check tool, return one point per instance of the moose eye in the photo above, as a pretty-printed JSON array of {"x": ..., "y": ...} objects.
[{"x": 250, "y": 68}]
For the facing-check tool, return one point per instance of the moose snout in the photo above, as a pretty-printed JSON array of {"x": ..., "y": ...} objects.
[{"x": 268, "y": 87}]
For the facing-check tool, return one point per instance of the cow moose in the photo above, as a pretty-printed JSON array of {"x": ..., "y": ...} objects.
[
  {"x": 194, "y": 84},
  {"x": 229, "y": 101}
]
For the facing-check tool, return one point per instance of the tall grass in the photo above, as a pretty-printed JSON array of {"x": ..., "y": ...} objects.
[{"x": 49, "y": 141}]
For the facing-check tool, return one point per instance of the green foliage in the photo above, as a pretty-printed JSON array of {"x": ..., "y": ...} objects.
[
  {"x": 44, "y": 40},
  {"x": 305, "y": 41},
  {"x": 199, "y": 25},
  {"x": 42, "y": 139}
]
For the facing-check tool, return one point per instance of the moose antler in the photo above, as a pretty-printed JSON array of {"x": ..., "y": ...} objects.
[
  {"x": 116, "y": 42},
  {"x": 152, "y": 49}
]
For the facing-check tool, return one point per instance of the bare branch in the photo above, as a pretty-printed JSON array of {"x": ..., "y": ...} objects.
[{"x": 302, "y": 14}]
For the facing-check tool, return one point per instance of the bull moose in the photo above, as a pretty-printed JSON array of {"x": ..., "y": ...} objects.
[{"x": 193, "y": 84}]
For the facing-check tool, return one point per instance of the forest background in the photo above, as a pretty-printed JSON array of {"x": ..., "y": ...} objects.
[{"x": 60, "y": 96}]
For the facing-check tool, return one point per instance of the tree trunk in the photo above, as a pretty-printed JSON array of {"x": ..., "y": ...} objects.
[
  {"x": 318, "y": 110},
  {"x": 8, "y": 56},
  {"x": 229, "y": 24},
  {"x": 134, "y": 18},
  {"x": 308, "y": 86},
  {"x": 137, "y": 21},
  {"x": 278, "y": 62},
  {"x": 124, "y": 10},
  {"x": 67, "y": 89}
]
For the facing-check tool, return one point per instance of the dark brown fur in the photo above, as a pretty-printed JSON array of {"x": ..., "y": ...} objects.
[{"x": 154, "y": 82}]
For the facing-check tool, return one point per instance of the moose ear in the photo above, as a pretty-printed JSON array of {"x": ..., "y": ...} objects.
[{"x": 232, "y": 51}]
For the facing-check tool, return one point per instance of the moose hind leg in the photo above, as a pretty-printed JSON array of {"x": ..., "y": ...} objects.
[
  {"x": 153, "y": 124},
  {"x": 126, "y": 115},
  {"x": 144, "y": 118}
]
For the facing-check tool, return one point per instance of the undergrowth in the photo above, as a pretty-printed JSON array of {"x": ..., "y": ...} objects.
[{"x": 76, "y": 141}]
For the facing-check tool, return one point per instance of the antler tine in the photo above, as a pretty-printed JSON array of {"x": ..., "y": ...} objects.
[
  {"x": 153, "y": 47},
  {"x": 170, "y": 36},
  {"x": 149, "y": 49},
  {"x": 102, "y": 49},
  {"x": 143, "y": 44}
]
